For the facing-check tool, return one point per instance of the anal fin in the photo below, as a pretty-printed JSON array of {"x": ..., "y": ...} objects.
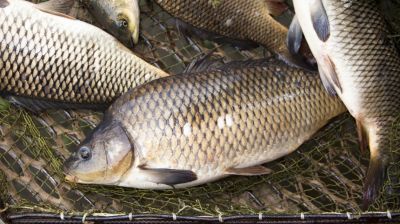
[
  {"x": 329, "y": 77},
  {"x": 169, "y": 177},
  {"x": 249, "y": 171}
]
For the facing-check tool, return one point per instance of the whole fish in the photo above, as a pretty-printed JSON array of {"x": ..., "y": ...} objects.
[
  {"x": 239, "y": 20},
  {"x": 358, "y": 61},
  {"x": 51, "y": 57},
  {"x": 185, "y": 130},
  {"x": 119, "y": 17}
]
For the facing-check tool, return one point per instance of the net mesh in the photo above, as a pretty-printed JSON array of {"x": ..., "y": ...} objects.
[{"x": 324, "y": 175}]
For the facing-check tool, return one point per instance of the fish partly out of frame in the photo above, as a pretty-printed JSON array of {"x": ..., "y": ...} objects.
[
  {"x": 189, "y": 129},
  {"x": 119, "y": 17},
  {"x": 239, "y": 21},
  {"x": 62, "y": 62},
  {"x": 358, "y": 61}
]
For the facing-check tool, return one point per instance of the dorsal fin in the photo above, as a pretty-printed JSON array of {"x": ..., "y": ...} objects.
[
  {"x": 60, "y": 6},
  {"x": 51, "y": 7}
]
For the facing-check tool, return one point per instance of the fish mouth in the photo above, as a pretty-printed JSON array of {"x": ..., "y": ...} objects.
[{"x": 71, "y": 178}]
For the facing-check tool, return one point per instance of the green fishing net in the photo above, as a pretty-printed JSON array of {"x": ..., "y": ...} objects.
[{"x": 324, "y": 175}]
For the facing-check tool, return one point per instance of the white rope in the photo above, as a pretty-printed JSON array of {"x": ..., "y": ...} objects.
[
  {"x": 302, "y": 216},
  {"x": 349, "y": 215},
  {"x": 389, "y": 215},
  {"x": 62, "y": 215},
  {"x": 174, "y": 216},
  {"x": 130, "y": 216},
  {"x": 220, "y": 218},
  {"x": 84, "y": 217},
  {"x": 260, "y": 216}
]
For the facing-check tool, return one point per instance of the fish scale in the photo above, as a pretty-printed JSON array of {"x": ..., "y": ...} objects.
[
  {"x": 240, "y": 115},
  {"x": 237, "y": 19},
  {"x": 366, "y": 65},
  {"x": 59, "y": 59}
]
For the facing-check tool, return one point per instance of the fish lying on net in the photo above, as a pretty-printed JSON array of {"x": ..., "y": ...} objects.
[
  {"x": 358, "y": 61},
  {"x": 58, "y": 59},
  {"x": 188, "y": 129},
  {"x": 241, "y": 20},
  {"x": 120, "y": 18}
]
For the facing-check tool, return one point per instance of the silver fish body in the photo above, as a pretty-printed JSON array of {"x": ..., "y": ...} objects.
[
  {"x": 358, "y": 61},
  {"x": 58, "y": 59},
  {"x": 190, "y": 129}
]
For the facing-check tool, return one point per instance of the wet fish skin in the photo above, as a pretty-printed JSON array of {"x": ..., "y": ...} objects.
[
  {"x": 119, "y": 17},
  {"x": 58, "y": 59},
  {"x": 359, "y": 62},
  {"x": 238, "y": 20},
  {"x": 185, "y": 130}
]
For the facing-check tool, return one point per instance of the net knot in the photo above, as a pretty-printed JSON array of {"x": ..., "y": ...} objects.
[
  {"x": 302, "y": 216},
  {"x": 174, "y": 216},
  {"x": 62, "y": 216},
  {"x": 349, "y": 215},
  {"x": 260, "y": 216},
  {"x": 220, "y": 218},
  {"x": 130, "y": 216},
  {"x": 389, "y": 215},
  {"x": 84, "y": 217}
]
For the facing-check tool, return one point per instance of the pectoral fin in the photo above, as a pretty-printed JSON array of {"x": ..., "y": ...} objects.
[
  {"x": 168, "y": 176},
  {"x": 249, "y": 171},
  {"x": 319, "y": 19},
  {"x": 294, "y": 36}
]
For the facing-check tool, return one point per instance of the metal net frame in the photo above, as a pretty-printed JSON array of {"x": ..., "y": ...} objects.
[{"x": 324, "y": 175}]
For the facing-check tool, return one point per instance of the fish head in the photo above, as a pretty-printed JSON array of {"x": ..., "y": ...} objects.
[
  {"x": 103, "y": 158},
  {"x": 125, "y": 21}
]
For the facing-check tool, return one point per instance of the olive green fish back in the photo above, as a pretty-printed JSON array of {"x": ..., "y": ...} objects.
[
  {"x": 237, "y": 19},
  {"x": 211, "y": 121}
]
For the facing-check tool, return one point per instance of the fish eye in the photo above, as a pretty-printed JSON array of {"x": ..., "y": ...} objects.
[
  {"x": 123, "y": 23},
  {"x": 85, "y": 153}
]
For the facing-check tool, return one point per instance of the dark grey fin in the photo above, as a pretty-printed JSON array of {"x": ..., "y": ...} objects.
[
  {"x": 61, "y": 6},
  {"x": 204, "y": 63},
  {"x": 329, "y": 78},
  {"x": 186, "y": 30},
  {"x": 276, "y": 7},
  {"x": 169, "y": 176},
  {"x": 54, "y": 12},
  {"x": 249, "y": 171},
  {"x": 320, "y": 20},
  {"x": 294, "y": 36},
  {"x": 362, "y": 136},
  {"x": 4, "y": 3},
  {"x": 374, "y": 181},
  {"x": 38, "y": 105}
]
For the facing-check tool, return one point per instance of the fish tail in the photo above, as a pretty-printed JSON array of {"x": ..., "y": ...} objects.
[{"x": 378, "y": 137}]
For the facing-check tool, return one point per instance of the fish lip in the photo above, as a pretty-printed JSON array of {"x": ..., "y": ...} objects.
[{"x": 71, "y": 178}]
